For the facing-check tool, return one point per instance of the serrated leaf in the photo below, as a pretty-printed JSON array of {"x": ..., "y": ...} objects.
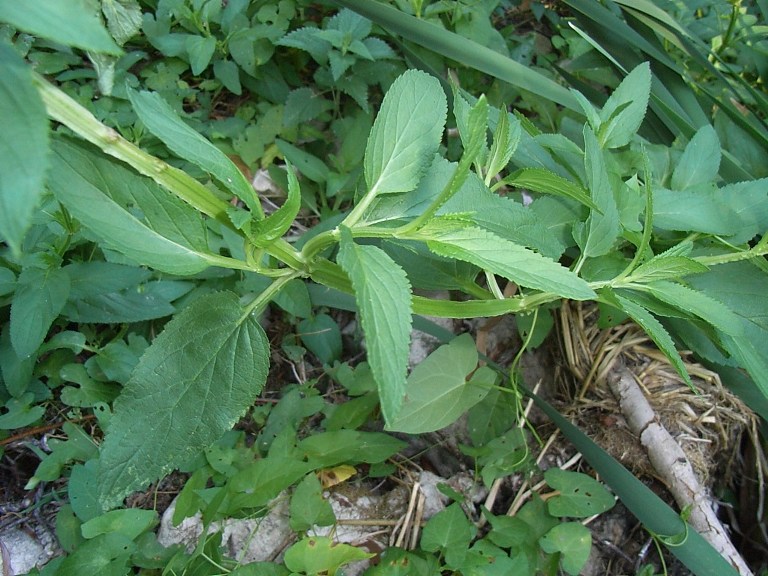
[
  {"x": 700, "y": 161},
  {"x": 597, "y": 236},
  {"x": 546, "y": 182},
  {"x": 490, "y": 252},
  {"x": 663, "y": 266},
  {"x": 302, "y": 105},
  {"x": 191, "y": 385},
  {"x": 694, "y": 302},
  {"x": 279, "y": 222},
  {"x": 383, "y": 297},
  {"x": 106, "y": 555},
  {"x": 39, "y": 298},
  {"x": 69, "y": 22},
  {"x": 163, "y": 121},
  {"x": 579, "y": 495},
  {"x": 442, "y": 388},
  {"x": 505, "y": 140},
  {"x": 406, "y": 133},
  {"x": 625, "y": 109},
  {"x": 657, "y": 333},
  {"x": 79, "y": 175},
  {"x": 574, "y": 543},
  {"x": 473, "y": 132},
  {"x": 23, "y": 143}
]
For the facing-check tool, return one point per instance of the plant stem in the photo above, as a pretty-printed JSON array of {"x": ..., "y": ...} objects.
[
  {"x": 257, "y": 305},
  {"x": 62, "y": 108}
]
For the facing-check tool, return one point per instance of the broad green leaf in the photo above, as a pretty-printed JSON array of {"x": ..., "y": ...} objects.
[
  {"x": 227, "y": 72},
  {"x": 694, "y": 210},
  {"x": 23, "y": 141},
  {"x": 546, "y": 182},
  {"x": 7, "y": 281},
  {"x": 39, "y": 298},
  {"x": 89, "y": 392},
  {"x": 321, "y": 555},
  {"x": 473, "y": 130},
  {"x": 303, "y": 105},
  {"x": 16, "y": 372},
  {"x": 191, "y": 385},
  {"x": 573, "y": 541},
  {"x": 326, "y": 449},
  {"x": 579, "y": 495},
  {"x": 200, "y": 50},
  {"x": 20, "y": 412},
  {"x": 130, "y": 522},
  {"x": 446, "y": 530},
  {"x": 322, "y": 336},
  {"x": 440, "y": 389},
  {"x": 278, "y": 223},
  {"x": 597, "y": 236},
  {"x": 263, "y": 480},
  {"x": 123, "y": 18},
  {"x": 493, "y": 416},
  {"x": 383, "y": 296},
  {"x": 106, "y": 555},
  {"x": 656, "y": 332},
  {"x": 69, "y": 22},
  {"x": 664, "y": 266},
  {"x": 406, "y": 133},
  {"x": 490, "y": 252},
  {"x": 700, "y": 161},
  {"x": 308, "y": 507},
  {"x": 79, "y": 177},
  {"x": 625, "y": 109},
  {"x": 163, "y": 121}
]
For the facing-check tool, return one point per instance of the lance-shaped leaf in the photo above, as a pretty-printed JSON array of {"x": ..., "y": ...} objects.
[
  {"x": 440, "y": 389},
  {"x": 656, "y": 332},
  {"x": 383, "y": 296},
  {"x": 700, "y": 162},
  {"x": 406, "y": 133},
  {"x": 454, "y": 239},
  {"x": 596, "y": 236},
  {"x": 276, "y": 224},
  {"x": 546, "y": 182},
  {"x": 23, "y": 146},
  {"x": 171, "y": 238},
  {"x": 505, "y": 139},
  {"x": 625, "y": 109},
  {"x": 164, "y": 122},
  {"x": 191, "y": 386}
]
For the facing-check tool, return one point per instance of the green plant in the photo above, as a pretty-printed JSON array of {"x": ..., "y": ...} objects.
[{"x": 644, "y": 228}]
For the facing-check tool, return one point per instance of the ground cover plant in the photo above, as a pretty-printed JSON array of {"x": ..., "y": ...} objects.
[{"x": 418, "y": 147}]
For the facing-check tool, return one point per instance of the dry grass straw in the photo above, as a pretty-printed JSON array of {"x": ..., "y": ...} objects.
[{"x": 708, "y": 424}]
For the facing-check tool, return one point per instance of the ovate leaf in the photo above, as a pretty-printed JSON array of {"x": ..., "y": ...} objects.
[
  {"x": 625, "y": 109},
  {"x": 500, "y": 256},
  {"x": 440, "y": 389},
  {"x": 573, "y": 541},
  {"x": 70, "y": 22},
  {"x": 191, "y": 385},
  {"x": 405, "y": 134},
  {"x": 278, "y": 223},
  {"x": 321, "y": 555},
  {"x": 597, "y": 235},
  {"x": 383, "y": 296},
  {"x": 579, "y": 495},
  {"x": 123, "y": 18},
  {"x": 23, "y": 142},
  {"x": 700, "y": 161},
  {"x": 164, "y": 122},
  {"x": 40, "y": 296}
]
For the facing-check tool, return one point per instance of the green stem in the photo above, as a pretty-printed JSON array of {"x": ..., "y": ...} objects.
[
  {"x": 65, "y": 110},
  {"x": 259, "y": 303},
  {"x": 756, "y": 252}
]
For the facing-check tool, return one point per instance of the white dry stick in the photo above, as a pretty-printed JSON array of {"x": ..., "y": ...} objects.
[{"x": 672, "y": 465}]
